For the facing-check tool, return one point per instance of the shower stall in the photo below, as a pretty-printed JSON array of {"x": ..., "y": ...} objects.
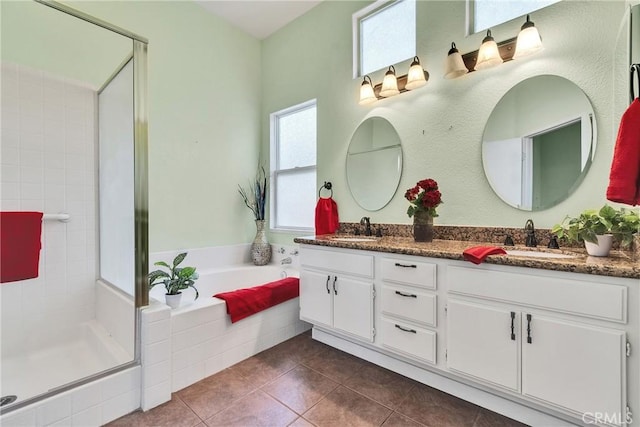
[{"x": 73, "y": 146}]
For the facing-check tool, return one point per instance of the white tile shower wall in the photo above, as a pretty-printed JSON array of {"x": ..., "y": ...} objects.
[
  {"x": 47, "y": 152},
  {"x": 93, "y": 404}
]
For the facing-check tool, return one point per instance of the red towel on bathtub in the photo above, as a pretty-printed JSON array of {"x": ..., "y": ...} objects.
[
  {"x": 477, "y": 254},
  {"x": 624, "y": 178},
  {"x": 327, "y": 221},
  {"x": 245, "y": 302},
  {"x": 20, "y": 235}
]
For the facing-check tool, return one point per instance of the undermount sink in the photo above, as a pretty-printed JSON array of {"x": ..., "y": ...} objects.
[
  {"x": 353, "y": 239},
  {"x": 537, "y": 254}
]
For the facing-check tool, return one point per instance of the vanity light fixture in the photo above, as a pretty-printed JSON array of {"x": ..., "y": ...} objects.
[
  {"x": 492, "y": 53},
  {"x": 488, "y": 55},
  {"x": 416, "y": 77},
  {"x": 367, "y": 96},
  {"x": 529, "y": 41},
  {"x": 454, "y": 65},
  {"x": 390, "y": 83}
]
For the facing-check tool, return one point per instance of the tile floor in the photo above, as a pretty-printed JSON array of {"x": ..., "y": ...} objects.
[{"x": 302, "y": 382}]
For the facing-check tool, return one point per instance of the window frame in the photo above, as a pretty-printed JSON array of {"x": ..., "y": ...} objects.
[
  {"x": 471, "y": 16},
  {"x": 372, "y": 9},
  {"x": 275, "y": 170}
]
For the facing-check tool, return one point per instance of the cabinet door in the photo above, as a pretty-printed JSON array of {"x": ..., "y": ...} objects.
[
  {"x": 480, "y": 343},
  {"x": 353, "y": 307},
  {"x": 315, "y": 297},
  {"x": 578, "y": 367}
]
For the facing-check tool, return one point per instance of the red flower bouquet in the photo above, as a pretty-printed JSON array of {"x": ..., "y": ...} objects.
[{"x": 424, "y": 197}]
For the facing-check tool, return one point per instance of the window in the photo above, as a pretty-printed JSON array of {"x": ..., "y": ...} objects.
[
  {"x": 384, "y": 33},
  {"x": 293, "y": 167},
  {"x": 484, "y": 14}
]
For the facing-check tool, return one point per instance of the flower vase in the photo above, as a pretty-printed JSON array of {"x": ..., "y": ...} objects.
[
  {"x": 260, "y": 248},
  {"x": 422, "y": 227}
]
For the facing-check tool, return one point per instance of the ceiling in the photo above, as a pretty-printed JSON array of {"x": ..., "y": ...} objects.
[{"x": 260, "y": 18}]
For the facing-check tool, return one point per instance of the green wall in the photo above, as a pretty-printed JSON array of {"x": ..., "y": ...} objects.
[
  {"x": 204, "y": 120},
  {"x": 441, "y": 124},
  {"x": 212, "y": 88}
]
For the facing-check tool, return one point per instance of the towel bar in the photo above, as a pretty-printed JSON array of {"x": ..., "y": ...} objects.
[{"x": 62, "y": 217}]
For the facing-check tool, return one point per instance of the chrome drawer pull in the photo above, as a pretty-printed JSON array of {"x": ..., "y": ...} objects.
[
  {"x": 406, "y": 265},
  {"x": 413, "y": 331},
  {"x": 402, "y": 294}
]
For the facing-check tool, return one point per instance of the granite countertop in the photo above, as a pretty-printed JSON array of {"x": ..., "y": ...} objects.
[{"x": 618, "y": 264}]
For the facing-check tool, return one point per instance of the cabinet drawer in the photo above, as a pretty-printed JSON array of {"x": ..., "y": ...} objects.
[
  {"x": 338, "y": 261},
  {"x": 415, "y": 273},
  {"x": 409, "y": 340},
  {"x": 411, "y": 304},
  {"x": 597, "y": 300}
]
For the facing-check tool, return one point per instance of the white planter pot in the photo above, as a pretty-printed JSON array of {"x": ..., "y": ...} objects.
[
  {"x": 173, "y": 301},
  {"x": 603, "y": 246}
]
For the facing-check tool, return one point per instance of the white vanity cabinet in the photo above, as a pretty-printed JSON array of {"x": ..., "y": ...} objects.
[
  {"x": 548, "y": 354},
  {"x": 549, "y": 345},
  {"x": 336, "y": 291}
]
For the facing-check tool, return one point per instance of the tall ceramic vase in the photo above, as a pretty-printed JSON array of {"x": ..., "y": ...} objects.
[
  {"x": 422, "y": 227},
  {"x": 260, "y": 248}
]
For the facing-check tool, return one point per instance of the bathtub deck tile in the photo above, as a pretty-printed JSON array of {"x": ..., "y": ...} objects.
[
  {"x": 157, "y": 352},
  {"x": 158, "y": 331},
  {"x": 157, "y": 373}
]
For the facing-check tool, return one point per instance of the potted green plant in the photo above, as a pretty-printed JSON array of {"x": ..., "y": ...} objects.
[
  {"x": 175, "y": 280},
  {"x": 598, "y": 228}
]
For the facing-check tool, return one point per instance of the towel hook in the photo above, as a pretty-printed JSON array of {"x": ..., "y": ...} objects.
[{"x": 328, "y": 186}]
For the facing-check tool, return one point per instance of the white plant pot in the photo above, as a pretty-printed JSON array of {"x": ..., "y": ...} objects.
[
  {"x": 173, "y": 301},
  {"x": 601, "y": 248}
]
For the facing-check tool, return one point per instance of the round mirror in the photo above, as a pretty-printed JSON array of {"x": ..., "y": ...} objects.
[
  {"x": 539, "y": 142},
  {"x": 374, "y": 163}
]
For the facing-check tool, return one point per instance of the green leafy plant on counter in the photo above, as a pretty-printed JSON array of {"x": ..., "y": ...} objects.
[
  {"x": 176, "y": 279},
  {"x": 621, "y": 223}
]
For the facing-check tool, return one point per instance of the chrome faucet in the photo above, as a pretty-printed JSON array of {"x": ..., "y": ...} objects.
[
  {"x": 530, "y": 240},
  {"x": 367, "y": 225},
  {"x": 286, "y": 260}
]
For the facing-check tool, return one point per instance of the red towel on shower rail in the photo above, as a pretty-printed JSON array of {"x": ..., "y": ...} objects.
[
  {"x": 20, "y": 235},
  {"x": 624, "y": 178},
  {"x": 245, "y": 302}
]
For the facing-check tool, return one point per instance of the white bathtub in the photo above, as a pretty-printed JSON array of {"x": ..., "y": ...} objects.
[{"x": 203, "y": 340}]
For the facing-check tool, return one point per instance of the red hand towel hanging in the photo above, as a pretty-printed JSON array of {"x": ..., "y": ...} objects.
[
  {"x": 20, "y": 236},
  {"x": 327, "y": 221},
  {"x": 624, "y": 178}
]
